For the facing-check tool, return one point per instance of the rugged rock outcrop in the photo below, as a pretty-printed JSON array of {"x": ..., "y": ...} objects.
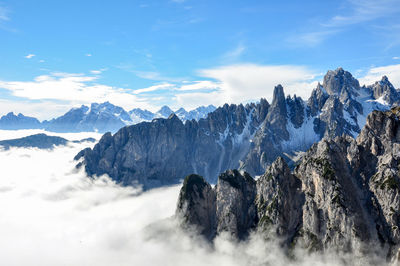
[
  {"x": 246, "y": 137},
  {"x": 343, "y": 195},
  {"x": 169, "y": 149},
  {"x": 228, "y": 207},
  {"x": 197, "y": 206}
]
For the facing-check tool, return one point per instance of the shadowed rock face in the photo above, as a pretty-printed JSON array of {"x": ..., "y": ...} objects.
[
  {"x": 246, "y": 137},
  {"x": 196, "y": 205},
  {"x": 344, "y": 195},
  {"x": 229, "y": 206}
]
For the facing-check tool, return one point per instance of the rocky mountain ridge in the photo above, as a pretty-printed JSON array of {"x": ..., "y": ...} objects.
[
  {"x": 247, "y": 137},
  {"x": 343, "y": 196},
  {"x": 97, "y": 117}
]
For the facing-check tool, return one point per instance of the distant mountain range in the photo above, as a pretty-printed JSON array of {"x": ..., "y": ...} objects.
[
  {"x": 247, "y": 137},
  {"x": 104, "y": 117}
]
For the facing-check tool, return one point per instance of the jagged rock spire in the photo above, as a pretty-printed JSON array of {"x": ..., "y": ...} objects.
[{"x": 336, "y": 81}]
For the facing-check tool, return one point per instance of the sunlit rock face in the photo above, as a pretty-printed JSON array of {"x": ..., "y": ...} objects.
[
  {"x": 343, "y": 195},
  {"x": 247, "y": 137}
]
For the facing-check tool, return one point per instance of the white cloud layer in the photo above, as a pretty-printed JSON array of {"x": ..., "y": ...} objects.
[{"x": 54, "y": 215}]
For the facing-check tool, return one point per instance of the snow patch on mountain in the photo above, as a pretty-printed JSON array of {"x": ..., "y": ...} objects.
[{"x": 300, "y": 138}]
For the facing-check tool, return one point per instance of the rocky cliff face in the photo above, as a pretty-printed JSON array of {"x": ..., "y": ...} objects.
[
  {"x": 242, "y": 137},
  {"x": 344, "y": 195},
  {"x": 228, "y": 207}
]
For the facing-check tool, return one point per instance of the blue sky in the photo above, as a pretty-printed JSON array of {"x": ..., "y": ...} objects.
[{"x": 58, "y": 54}]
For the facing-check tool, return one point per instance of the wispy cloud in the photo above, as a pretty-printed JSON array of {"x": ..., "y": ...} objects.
[
  {"x": 364, "y": 10},
  {"x": 5, "y": 19},
  {"x": 29, "y": 56},
  {"x": 311, "y": 38},
  {"x": 98, "y": 71},
  {"x": 396, "y": 58},
  {"x": 4, "y": 13},
  {"x": 356, "y": 12},
  {"x": 154, "y": 88},
  {"x": 150, "y": 75},
  {"x": 203, "y": 85},
  {"x": 235, "y": 53},
  {"x": 88, "y": 55}
]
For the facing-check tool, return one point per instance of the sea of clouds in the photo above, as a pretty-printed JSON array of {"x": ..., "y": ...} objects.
[{"x": 53, "y": 214}]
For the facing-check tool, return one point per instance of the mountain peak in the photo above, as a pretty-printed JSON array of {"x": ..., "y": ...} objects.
[
  {"x": 340, "y": 70},
  {"x": 165, "y": 111},
  {"x": 384, "y": 91},
  {"x": 104, "y": 104},
  {"x": 181, "y": 110},
  {"x": 279, "y": 95},
  {"x": 173, "y": 116},
  {"x": 336, "y": 81}
]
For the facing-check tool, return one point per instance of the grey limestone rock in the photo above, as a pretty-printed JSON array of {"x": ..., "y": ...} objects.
[
  {"x": 247, "y": 137},
  {"x": 343, "y": 195},
  {"x": 228, "y": 207}
]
